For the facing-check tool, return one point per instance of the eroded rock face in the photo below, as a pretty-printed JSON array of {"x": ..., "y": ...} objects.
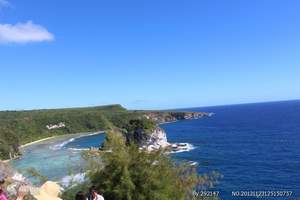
[
  {"x": 153, "y": 137},
  {"x": 155, "y": 140}
]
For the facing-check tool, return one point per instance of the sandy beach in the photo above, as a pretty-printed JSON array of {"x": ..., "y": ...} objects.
[
  {"x": 58, "y": 136},
  {"x": 37, "y": 141}
]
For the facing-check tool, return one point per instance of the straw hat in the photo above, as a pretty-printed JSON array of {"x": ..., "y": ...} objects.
[{"x": 48, "y": 191}]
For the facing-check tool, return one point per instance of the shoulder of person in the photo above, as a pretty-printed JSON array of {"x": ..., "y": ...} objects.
[
  {"x": 3, "y": 197},
  {"x": 100, "y": 197}
]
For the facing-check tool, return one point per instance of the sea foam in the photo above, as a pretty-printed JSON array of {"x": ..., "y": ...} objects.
[
  {"x": 61, "y": 145},
  {"x": 183, "y": 147}
]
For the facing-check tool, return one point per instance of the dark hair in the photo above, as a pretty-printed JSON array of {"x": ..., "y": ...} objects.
[
  {"x": 93, "y": 189},
  {"x": 80, "y": 196},
  {"x": 1, "y": 191},
  {"x": 2, "y": 181}
]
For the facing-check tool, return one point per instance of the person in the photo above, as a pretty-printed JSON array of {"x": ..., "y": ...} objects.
[
  {"x": 80, "y": 196},
  {"x": 22, "y": 192},
  {"x": 93, "y": 195},
  {"x": 3, "y": 195}
]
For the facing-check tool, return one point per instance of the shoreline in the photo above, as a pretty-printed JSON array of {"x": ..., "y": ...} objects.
[
  {"x": 37, "y": 141},
  {"x": 169, "y": 122},
  {"x": 79, "y": 135},
  {"x": 174, "y": 121}
]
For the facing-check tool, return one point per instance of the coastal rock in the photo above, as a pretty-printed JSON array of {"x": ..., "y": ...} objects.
[
  {"x": 5, "y": 170},
  {"x": 158, "y": 140},
  {"x": 155, "y": 140},
  {"x": 165, "y": 117}
]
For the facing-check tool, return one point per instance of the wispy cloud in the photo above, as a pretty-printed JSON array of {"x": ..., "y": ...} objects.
[
  {"x": 24, "y": 33},
  {"x": 4, "y": 3}
]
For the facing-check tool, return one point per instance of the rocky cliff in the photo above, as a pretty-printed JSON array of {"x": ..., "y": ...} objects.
[
  {"x": 166, "y": 116},
  {"x": 148, "y": 135},
  {"x": 155, "y": 140}
]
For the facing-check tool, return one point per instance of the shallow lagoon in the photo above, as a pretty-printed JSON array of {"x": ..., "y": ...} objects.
[{"x": 58, "y": 157}]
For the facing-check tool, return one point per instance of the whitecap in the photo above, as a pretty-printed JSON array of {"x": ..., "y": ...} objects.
[
  {"x": 193, "y": 163},
  {"x": 61, "y": 145},
  {"x": 182, "y": 147}
]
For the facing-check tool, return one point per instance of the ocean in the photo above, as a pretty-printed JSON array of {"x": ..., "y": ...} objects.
[{"x": 256, "y": 147}]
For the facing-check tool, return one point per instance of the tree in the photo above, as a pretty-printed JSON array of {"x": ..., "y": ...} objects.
[
  {"x": 136, "y": 130},
  {"x": 124, "y": 172},
  {"x": 9, "y": 143}
]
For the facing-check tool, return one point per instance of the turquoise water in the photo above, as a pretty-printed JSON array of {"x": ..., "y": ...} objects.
[
  {"x": 59, "y": 157},
  {"x": 255, "y": 147}
]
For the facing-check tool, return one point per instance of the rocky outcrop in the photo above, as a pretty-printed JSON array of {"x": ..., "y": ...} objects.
[
  {"x": 155, "y": 140},
  {"x": 165, "y": 117},
  {"x": 148, "y": 135},
  {"x": 5, "y": 171}
]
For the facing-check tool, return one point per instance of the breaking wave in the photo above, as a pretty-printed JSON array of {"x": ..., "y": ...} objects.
[
  {"x": 182, "y": 147},
  {"x": 61, "y": 145},
  {"x": 64, "y": 143}
]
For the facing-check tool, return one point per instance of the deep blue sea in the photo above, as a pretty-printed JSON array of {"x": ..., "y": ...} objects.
[{"x": 256, "y": 147}]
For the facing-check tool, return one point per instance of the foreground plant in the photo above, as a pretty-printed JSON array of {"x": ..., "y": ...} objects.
[{"x": 124, "y": 172}]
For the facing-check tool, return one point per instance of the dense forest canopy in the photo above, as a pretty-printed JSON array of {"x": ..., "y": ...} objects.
[{"x": 20, "y": 127}]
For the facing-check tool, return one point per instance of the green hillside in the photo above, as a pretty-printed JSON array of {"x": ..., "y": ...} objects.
[{"x": 20, "y": 127}]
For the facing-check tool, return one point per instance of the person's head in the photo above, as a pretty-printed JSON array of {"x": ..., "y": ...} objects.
[
  {"x": 80, "y": 196},
  {"x": 93, "y": 191},
  {"x": 2, "y": 181}
]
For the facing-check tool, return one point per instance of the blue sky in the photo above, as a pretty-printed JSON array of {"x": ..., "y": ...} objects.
[{"x": 148, "y": 54}]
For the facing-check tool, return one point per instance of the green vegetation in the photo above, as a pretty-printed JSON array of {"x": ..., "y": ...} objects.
[
  {"x": 9, "y": 143},
  {"x": 20, "y": 127},
  {"x": 136, "y": 129},
  {"x": 123, "y": 172}
]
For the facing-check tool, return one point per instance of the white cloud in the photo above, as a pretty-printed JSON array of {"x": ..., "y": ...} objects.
[{"x": 24, "y": 33}]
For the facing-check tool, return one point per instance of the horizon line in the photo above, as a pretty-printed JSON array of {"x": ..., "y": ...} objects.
[
  {"x": 115, "y": 104},
  {"x": 236, "y": 104}
]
